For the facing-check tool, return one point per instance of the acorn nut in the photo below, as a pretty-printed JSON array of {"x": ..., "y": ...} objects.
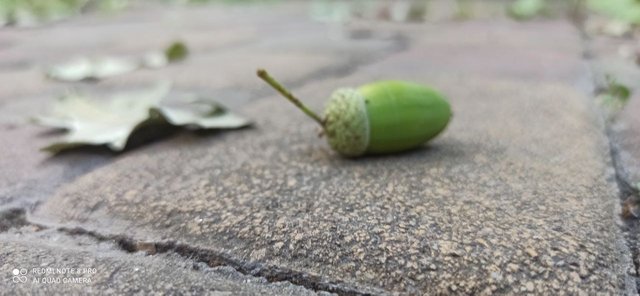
[{"x": 377, "y": 118}]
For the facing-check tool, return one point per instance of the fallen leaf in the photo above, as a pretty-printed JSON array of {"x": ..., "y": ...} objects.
[
  {"x": 111, "y": 122},
  {"x": 331, "y": 11},
  {"x": 105, "y": 67},
  {"x": 200, "y": 113},
  {"x": 92, "y": 69},
  {"x": 154, "y": 60}
]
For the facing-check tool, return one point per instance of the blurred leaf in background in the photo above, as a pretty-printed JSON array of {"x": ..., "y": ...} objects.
[
  {"x": 85, "y": 68},
  {"x": 92, "y": 68},
  {"x": 331, "y": 11},
  {"x": 113, "y": 121}
]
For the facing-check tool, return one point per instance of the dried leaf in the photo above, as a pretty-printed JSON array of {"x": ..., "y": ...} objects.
[
  {"x": 105, "y": 67},
  {"x": 92, "y": 69},
  {"x": 200, "y": 113},
  {"x": 154, "y": 60},
  {"x": 331, "y": 11},
  {"x": 111, "y": 122}
]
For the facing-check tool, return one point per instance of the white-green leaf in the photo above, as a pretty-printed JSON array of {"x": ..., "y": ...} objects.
[
  {"x": 154, "y": 60},
  {"x": 200, "y": 113},
  {"x": 111, "y": 122},
  {"x": 104, "y": 67},
  {"x": 98, "y": 68}
]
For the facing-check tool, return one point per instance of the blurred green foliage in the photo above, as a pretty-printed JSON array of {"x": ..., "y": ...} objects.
[
  {"x": 526, "y": 9},
  {"x": 32, "y": 12},
  {"x": 464, "y": 10},
  {"x": 622, "y": 10},
  {"x": 615, "y": 95},
  {"x": 27, "y": 13},
  {"x": 35, "y": 12}
]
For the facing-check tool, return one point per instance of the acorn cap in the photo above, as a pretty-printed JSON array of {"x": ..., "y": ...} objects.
[{"x": 346, "y": 122}]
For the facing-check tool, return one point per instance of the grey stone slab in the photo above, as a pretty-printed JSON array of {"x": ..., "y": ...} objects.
[
  {"x": 512, "y": 198},
  {"x": 544, "y": 51},
  {"x": 55, "y": 263},
  {"x": 28, "y": 175}
]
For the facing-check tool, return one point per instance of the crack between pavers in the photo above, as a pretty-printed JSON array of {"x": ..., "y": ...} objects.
[
  {"x": 212, "y": 258},
  {"x": 631, "y": 226},
  {"x": 16, "y": 218},
  {"x": 628, "y": 227}
]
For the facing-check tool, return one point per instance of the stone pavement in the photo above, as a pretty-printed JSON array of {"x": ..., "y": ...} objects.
[{"x": 519, "y": 195}]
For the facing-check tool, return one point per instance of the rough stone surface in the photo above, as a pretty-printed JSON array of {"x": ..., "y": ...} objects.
[
  {"x": 617, "y": 57},
  {"x": 512, "y": 198},
  {"x": 100, "y": 268}
]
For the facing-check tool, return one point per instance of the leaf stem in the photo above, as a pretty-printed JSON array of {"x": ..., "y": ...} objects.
[{"x": 287, "y": 94}]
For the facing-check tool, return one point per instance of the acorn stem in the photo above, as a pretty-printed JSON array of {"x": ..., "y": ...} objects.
[{"x": 289, "y": 96}]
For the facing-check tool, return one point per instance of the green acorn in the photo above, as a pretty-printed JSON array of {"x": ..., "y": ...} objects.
[{"x": 377, "y": 118}]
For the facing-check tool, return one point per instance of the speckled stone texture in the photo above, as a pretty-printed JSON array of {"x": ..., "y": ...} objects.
[
  {"x": 512, "y": 198},
  {"x": 47, "y": 258}
]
